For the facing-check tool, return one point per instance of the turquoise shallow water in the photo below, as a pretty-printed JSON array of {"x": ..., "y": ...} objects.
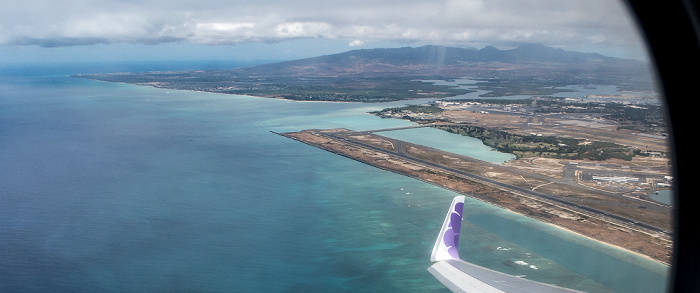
[
  {"x": 119, "y": 188},
  {"x": 663, "y": 196},
  {"x": 440, "y": 139}
]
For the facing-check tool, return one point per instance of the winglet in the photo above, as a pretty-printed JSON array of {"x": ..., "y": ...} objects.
[{"x": 446, "y": 244}]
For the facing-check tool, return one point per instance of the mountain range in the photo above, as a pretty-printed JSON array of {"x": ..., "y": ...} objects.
[{"x": 395, "y": 74}]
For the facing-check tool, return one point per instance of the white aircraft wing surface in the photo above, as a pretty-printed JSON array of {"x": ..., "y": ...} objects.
[{"x": 461, "y": 276}]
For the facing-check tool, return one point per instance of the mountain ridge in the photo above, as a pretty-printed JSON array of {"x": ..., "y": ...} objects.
[{"x": 416, "y": 59}]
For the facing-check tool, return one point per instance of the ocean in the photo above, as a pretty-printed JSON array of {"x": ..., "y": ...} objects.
[{"x": 110, "y": 187}]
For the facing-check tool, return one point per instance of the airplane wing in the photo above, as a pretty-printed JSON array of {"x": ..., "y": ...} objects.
[{"x": 461, "y": 276}]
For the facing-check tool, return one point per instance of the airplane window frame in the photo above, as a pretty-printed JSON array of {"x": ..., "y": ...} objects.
[{"x": 672, "y": 35}]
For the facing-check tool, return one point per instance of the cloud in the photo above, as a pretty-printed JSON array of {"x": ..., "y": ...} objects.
[
  {"x": 303, "y": 30},
  {"x": 356, "y": 43},
  {"x": 567, "y": 24}
]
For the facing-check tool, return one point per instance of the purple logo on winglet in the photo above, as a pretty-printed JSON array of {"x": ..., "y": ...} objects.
[
  {"x": 451, "y": 237},
  {"x": 445, "y": 247}
]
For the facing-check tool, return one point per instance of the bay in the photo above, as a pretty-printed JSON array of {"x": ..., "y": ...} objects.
[
  {"x": 120, "y": 188},
  {"x": 443, "y": 140}
]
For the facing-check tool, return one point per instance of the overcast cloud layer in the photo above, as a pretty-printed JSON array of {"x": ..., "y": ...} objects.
[{"x": 569, "y": 24}]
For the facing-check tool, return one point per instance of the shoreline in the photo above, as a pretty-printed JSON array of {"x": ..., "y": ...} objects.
[{"x": 640, "y": 243}]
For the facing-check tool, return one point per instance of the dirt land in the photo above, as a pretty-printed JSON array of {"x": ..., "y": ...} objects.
[{"x": 657, "y": 246}]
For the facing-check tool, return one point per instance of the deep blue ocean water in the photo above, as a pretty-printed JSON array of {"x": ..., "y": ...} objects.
[{"x": 119, "y": 188}]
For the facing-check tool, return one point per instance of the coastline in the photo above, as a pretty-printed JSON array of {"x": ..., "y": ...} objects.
[{"x": 642, "y": 243}]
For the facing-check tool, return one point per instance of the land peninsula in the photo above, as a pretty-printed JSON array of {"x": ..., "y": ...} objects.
[
  {"x": 586, "y": 164},
  {"x": 625, "y": 221}
]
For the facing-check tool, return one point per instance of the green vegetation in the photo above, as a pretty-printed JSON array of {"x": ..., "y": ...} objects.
[
  {"x": 363, "y": 90},
  {"x": 543, "y": 146},
  {"x": 427, "y": 109},
  {"x": 415, "y": 113},
  {"x": 522, "y": 86}
]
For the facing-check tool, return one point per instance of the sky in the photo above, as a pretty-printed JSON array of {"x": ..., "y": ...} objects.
[{"x": 134, "y": 30}]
